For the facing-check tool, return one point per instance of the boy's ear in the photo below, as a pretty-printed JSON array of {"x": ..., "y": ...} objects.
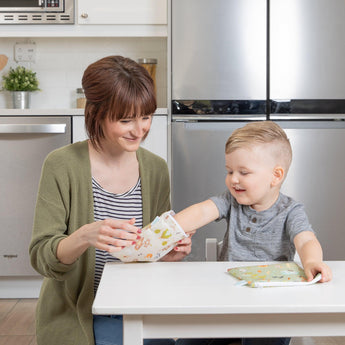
[{"x": 278, "y": 175}]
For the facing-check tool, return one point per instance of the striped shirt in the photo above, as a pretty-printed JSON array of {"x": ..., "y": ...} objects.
[{"x": 117, "y": 206}]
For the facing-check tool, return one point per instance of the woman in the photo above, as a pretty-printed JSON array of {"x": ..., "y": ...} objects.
[{"x": 94, "y": 196}]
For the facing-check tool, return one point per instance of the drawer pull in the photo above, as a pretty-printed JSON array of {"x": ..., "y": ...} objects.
[
  {"x": 33, "y": 128},
  {"x": 10, "y": 256}
]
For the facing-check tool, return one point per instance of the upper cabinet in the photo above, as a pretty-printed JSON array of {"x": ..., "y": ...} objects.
[
  {"x": 122, "y": 12},
  {"x": 103, "y": 18}
]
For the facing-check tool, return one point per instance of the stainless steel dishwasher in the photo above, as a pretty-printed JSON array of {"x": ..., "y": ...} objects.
[{"x": 24, "y": 144}]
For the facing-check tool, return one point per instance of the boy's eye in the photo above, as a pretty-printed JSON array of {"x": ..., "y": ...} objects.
[{"x": 244, "y": 172}]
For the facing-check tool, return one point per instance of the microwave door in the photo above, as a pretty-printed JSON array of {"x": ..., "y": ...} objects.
[
  {"x": 31, "y": 6},
  {"x": 36, "y": 12}
]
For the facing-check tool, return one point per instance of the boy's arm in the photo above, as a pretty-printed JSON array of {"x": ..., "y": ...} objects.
[
  {"x": 197, "y": 215},
  {"x": 309, "y": 250}
]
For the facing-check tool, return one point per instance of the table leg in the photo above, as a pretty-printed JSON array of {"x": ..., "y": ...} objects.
[{"x": 132, "y": 330}]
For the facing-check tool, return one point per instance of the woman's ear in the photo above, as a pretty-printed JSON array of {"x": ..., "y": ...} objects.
[{"x": 278, "y": 175}]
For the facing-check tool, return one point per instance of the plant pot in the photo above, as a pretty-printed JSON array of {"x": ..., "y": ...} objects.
[{"x": 21, "y": 99}]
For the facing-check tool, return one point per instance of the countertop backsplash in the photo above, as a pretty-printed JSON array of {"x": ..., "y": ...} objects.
[{"x": 60, "y": 63}]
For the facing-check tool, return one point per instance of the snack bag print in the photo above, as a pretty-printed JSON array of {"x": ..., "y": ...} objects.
[
  {"x": 157, "y": 239},
  {"x": 269, "y": 275}
]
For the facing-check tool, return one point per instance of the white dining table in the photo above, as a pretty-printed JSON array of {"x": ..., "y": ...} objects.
[{"x": 201, "y": 300}]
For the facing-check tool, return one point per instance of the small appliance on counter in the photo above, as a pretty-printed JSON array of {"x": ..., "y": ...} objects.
[{"x": 37, "y": 12}]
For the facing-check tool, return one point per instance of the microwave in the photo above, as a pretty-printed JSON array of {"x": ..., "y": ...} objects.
[{"x": 36, "y": 11}]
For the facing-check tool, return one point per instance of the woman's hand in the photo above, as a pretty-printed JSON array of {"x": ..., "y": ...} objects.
[
  {"x": 182, "y": 249},
  {"x": 110, "y": 235}
]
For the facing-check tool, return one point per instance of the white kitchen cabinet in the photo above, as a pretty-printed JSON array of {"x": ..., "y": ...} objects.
[
  {"x": 122, "y": 12},
  {"x": 113, "y": 18},
  {"x": 78, "y": 129},
  {"x": 156, "y": 142}
]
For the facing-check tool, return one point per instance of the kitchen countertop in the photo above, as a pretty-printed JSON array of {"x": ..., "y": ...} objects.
[{"x": 56, "y": 112}]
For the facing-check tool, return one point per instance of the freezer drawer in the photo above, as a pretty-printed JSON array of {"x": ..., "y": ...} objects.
[
  {"x": 24, "y": 143},
  {"x": 316, "y": 178},
  {"x": 198, "y": 171}
]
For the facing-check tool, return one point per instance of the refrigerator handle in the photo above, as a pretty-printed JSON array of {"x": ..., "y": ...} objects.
[
  {"x": 217, "y": 118},
  {"x": 56, "y": 128}
]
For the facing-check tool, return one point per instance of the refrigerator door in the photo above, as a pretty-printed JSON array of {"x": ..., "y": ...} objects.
[
  {"x": 218, "y": 49},
  {"x": 307, "y": 50},
  {"x": 198, "y": 172},
  {"x": 316, "y": 178}
]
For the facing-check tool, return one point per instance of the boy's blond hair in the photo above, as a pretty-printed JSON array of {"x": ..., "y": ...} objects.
[{"x": 262, "y": 132}]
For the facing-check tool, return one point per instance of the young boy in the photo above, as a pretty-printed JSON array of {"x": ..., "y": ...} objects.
[{"x": 262, "y": 223}]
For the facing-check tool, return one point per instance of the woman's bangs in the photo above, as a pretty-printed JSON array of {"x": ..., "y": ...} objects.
[{"x": 133, "y": 104}]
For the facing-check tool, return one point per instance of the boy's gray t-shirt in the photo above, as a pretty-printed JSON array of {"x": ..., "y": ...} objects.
[{"x": 260, "y": 236}]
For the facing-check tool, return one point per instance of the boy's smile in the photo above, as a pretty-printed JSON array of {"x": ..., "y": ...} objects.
[{"x": 250, "y": 178}]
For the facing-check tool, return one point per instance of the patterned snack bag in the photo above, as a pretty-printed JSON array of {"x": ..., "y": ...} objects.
[{"x": 157, "y": 239}]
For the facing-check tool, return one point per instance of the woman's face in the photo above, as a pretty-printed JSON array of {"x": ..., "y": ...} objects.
[{"x": 126, "y": 134}]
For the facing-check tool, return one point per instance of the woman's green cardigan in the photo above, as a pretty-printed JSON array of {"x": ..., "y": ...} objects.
[{"x": 64, "y": 204}]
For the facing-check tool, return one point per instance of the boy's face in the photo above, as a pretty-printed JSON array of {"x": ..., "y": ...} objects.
[{"x": 251, "y": 175}]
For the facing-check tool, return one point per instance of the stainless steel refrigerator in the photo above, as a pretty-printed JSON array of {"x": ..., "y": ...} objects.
[{"x": 234, "y": 61}]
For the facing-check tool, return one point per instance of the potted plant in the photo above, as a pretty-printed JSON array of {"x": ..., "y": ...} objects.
[{"x": 21, "y": 82}]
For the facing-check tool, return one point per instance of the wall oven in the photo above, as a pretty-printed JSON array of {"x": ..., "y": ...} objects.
[{"x": 36, "y": 11}]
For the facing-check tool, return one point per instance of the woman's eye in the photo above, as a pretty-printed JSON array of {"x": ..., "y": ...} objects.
[{"x": 125, "y": 121}]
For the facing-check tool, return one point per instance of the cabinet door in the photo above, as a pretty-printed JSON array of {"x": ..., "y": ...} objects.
[
  {"x": 79, "y": 133},
  {"x": 157, "y": 140},
  {"x": 122, "y": 12}
]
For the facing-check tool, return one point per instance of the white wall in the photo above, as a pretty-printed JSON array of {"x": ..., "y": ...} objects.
[{"x": 60, "y": 63}]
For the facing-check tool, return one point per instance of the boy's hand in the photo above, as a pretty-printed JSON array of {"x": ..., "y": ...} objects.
[
  {"x": 313, "y": 268},
  {"x": 183, "y": 248}
]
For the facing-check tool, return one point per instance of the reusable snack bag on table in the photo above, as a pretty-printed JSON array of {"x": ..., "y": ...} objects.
[
  {"x": 157, "y": 239},
  {"x": 279, "y": 274}
]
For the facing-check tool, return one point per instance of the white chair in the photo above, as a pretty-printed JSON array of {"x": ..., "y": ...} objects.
[{"x": 212, "y": 249}]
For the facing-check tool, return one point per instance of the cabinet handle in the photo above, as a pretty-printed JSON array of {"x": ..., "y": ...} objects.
[
  {"x": 33, "y": 128},
  {"x": 10, "y": 256},
  {"x": 84, "y": 15}
]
